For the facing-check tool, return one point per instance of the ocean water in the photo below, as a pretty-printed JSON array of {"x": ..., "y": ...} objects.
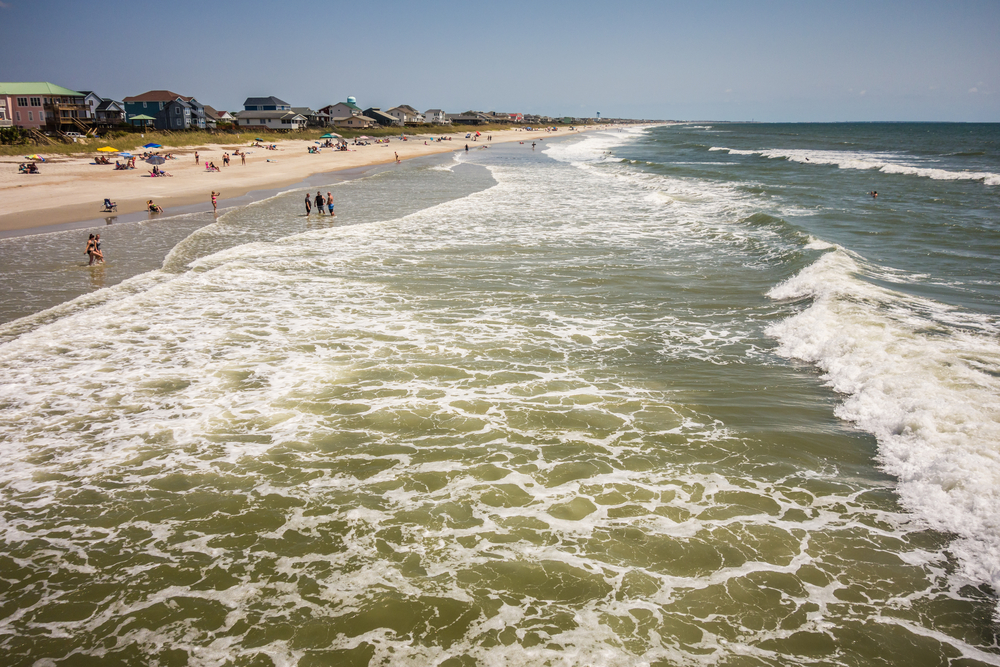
[{"x": 679, "y": 395}]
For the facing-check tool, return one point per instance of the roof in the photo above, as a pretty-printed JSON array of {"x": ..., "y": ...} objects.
[
  {"x": 265, "y": 101},
  {"x": 305, "y": 111},
  {"x": 36, "y": 88},
  {"x": 157, "y": 96},
  {"x": 269, "y": 114},
  {"x": 106, "y": 104},
  {"x": 433, "y": 111},
  {"x": 339, "y": 118}
]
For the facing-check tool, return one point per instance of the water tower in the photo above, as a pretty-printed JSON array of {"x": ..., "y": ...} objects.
[{"x": 351, "y": 100}]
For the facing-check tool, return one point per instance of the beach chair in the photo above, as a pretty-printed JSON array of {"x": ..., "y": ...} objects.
[{"x": 110, "y": 206}]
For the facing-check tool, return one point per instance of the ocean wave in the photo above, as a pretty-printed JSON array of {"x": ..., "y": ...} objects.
[
  {"x": 887, "y": 162},
  {"x": 923, "y": 378}
]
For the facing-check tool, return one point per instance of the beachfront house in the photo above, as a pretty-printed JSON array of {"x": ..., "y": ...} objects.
[
  {"x": 271, "y": 103},
  {"x": 281, "y": 121},
  {"x": 5, "y": 119},
  {"x": 39, "y": 104},
  {"x": 469, "y": 118},
  {"x": 406, "y": 115},
  {"x": 354, "y": 122},
  {"x": 383, "y": 119},
  {"x": 169, "y": 110},
  {"x": 343, "y": 109},
  {"x": 313, "y": 118},
  {"x": 436, "y": 117},
  {"x": 91, "y": 100},
  {"x": 109, "y": 112}
]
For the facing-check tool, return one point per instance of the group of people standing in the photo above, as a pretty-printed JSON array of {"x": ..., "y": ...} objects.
[{"x": 320, "y": 202}]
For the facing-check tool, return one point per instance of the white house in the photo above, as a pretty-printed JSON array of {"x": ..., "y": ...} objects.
[
  {"x": 91, "y": 100},
  {"x": 271, "y": 120},
  {"x": 405, "y": 114},
  {"x": 436, "y": 117}
]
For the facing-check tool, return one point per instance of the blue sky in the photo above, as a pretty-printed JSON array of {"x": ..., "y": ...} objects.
[{"x": 768, "y": 61}]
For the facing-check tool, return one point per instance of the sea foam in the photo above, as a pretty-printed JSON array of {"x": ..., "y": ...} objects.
[
  {"x": 886, "y": 162},
  {"x": 923, "y": 378}
]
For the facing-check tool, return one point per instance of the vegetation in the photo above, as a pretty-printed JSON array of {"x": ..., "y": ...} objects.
[{"x": 126, "y": 140}]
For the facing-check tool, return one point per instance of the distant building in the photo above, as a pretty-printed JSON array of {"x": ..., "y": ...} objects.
[
  {"x": 354, "y": 122},
  {"x": 36, "y": 105},
  {"x": 169, "y": 110},
  {"x": 383, "y": 119},
  {"x": 469, "y": 118},
  {"x": 406, "y": 114},
  {"x": 313, "y": 118},
  {"x": 343, "y": 109},
  {"x": 109, "y": 112},
  {"x": 265, "y": 104},
  {"x": 91, "y": 100},
  {"x": 436, "y": 117},
  {"x": 271, "y": 120},
  {"x": 219, "y": 116}
]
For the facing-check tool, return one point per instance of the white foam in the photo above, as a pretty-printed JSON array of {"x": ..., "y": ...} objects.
[
  {"x": 922, "y": 377},
  {"x": 886, "y": 162}
]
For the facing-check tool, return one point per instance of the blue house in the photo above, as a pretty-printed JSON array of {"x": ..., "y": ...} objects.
[{"x": 271, "y": 103}]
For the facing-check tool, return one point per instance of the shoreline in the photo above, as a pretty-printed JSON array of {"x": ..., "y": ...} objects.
[{"x": 69, "y": 191}]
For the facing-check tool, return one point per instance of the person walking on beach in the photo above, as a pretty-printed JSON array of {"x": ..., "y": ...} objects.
[
  {"x": 225, "y": 159},
  {"x": 196, "y": 160},
  {"x": 215, "y": 203},
  {"x": 329, "y": 204},
  {"x": 243, "y": 156},
  {"x": 466, "y": 148},
  {"x": 319, "y": 203},
  {"x": 308, "y": 204},
  {"x": 397, "y": 157}
]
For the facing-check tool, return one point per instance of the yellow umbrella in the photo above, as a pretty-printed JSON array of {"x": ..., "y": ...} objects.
[{"x": 108, "y": 149}]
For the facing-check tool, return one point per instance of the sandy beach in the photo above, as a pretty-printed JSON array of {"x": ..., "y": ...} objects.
[{"x": 72, "y": 188}]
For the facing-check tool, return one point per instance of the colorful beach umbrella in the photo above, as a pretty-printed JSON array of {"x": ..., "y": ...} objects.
[
  {"x": 330, "y": 135},
  {"x": 108, "y": 149},
  {"x": 152, "y": 146}
]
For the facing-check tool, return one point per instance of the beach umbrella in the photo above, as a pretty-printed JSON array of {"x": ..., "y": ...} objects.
[
  {"x": 152, "y": 146},
  {"x": 36, "y": 156},
  {"x": 330, "y": 135},
  {"x": 156, "y": 159},
  {"x": 108, "y": 149},
  {"x": 125, "y": 154},
  {"x": 258, "y": 139}
]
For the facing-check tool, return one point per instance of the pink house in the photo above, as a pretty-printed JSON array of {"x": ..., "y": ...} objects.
[{"x": 34, "y": 105}]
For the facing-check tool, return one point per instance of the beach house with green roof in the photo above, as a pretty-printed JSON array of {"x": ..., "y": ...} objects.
[
  {"x": 343, "y": 109},
  {"x": 38, "y": 104}
]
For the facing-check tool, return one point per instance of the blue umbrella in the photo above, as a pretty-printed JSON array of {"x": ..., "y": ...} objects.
[
  {"x": 152, "y": 146},
  {"x": 125, "y": 154}
]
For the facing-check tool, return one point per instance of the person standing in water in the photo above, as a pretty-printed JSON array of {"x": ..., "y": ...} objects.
[
  {"x": 319, "y": 203},
  {"x": 329, "y": 204},
  {"x": 215, "y": 203},
  {"x": 308, "y": 204}
]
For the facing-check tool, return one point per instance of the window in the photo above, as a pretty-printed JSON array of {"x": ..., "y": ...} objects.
[
  {"x": 143, "y": 105},
  {"x": 177, "y": 110},
  {"x": 30, "y": 116},
  {"x": 22, "y": 101},
  {"x": 36, "y": 101},
  {"x": 18, "y": 114}
]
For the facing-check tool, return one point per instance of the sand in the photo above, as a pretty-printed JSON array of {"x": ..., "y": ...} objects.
[{"x": 73, "y": 188}]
